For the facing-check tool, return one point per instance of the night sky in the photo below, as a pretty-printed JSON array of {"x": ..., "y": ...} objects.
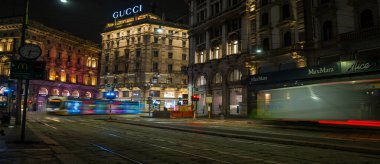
[{"x": 87, "y": 18}]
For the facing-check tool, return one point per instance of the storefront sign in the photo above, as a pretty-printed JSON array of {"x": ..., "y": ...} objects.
[
  {"x": 322, "y": 70},
  {"x": 357, "y": 66},
  {"x": 338, "y": 68},
  {"x": 127, "y": 12}
]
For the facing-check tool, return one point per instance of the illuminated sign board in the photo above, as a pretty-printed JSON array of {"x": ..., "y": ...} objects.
[{"x": 127, "y": 12}]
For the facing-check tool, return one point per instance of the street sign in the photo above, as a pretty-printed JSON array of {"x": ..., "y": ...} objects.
[{"x": 29, "y": 70}]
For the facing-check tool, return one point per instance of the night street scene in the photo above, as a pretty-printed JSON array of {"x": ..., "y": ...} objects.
[{"x": 189, "y": 81}]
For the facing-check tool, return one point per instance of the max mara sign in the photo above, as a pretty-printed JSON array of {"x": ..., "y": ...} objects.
[{"x": 127, "y": 12}]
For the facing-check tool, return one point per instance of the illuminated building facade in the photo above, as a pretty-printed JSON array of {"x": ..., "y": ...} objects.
[
  {"x": 219, "y": 39},
  {"x": 314, "y": 59},
  {"x": 71, "y": 62},
  {"x": 145, "y": 56}
]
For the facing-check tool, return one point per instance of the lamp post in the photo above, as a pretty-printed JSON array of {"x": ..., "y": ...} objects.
[{"x": 20, "y": 81}]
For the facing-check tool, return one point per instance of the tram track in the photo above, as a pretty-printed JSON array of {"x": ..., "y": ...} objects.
[
  {"x": 108, "y": 147},
  {"x": 134, "y": 136}
]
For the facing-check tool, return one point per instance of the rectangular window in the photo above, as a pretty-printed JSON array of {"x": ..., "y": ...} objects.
[
  {"x": 170, "y": 68},
  {"x": 155, "y": 53},
  {"x": 170, "y": 32},
  {"x": 106, "y": 69},
  {"x": 126, "y": 68},
  {"x": 154, "y": 93},
  {"x": 116, "y": 69},
  {"x": 155, "y": 67},
  {"x": 183, "y": 43},
  {"x": 125, "y": 93},
  {"x": 170, "y": 55},
  {"x": 137, "y": 66},
  {"x": 59, "y": 55},
  {"x": 138, "y": 53},
  {"x": 184, "y": 81},
  {"x": 156, "y": 39},
  {"x": 126, "y": 54},
  {"x": 169, "y": 80},
  {"x": 184, "y": 57},
  {"x": 170, "y": 42},
  {"x": 116, "y": 55}
]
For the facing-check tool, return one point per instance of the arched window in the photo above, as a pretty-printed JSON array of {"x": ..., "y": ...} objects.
[
  {"x": 201, "y": 81},
  {"x": 266, "y": 44},
  {"x": 93, "y": 80},
  {"x": 52, "y": 74},
  {"x": 55, "y": 92},
  {"x": 88, "y": 62},
  {"x": 86, "y": 79},
  {"x": 43, "y": 91},
  {"x": 264, "y": 19},
  {"x": 4, "y": 66},
  {"x": 75, "y": 93},
  {"x": 63, "y": 76},
  {"x": 93, "y": 63},
  {"x": 366, "y": 19},
  {"x": 327, "y": 30},
  {"x": 235, "y": 75},
  {"x": 88, "y": 95},
  {"x": 218, "y": 79},
  {"x": 287, "y": 39},
  {"x": 65, "y": 93}
]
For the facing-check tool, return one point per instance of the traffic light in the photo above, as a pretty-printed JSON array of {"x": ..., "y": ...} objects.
[{"x": 195, "y": 98}]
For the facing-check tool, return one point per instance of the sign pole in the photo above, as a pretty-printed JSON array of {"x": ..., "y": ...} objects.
[
  {"x": 110, "y": 118},
  {"x": 24, "y": 110},
  {"x": 18, "y": 102}
]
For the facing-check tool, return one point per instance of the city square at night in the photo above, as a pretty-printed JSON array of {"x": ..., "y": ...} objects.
[{"x": 189, "y": 81}]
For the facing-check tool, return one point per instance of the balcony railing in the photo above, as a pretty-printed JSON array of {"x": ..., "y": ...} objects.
[{"x": 359, "y": 34}]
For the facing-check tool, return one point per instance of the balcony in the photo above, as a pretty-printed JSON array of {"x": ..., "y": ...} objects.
[{"x": 359, "y": 34}]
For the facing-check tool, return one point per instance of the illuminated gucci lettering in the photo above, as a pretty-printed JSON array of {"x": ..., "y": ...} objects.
[{"x": 127, "y": 12}]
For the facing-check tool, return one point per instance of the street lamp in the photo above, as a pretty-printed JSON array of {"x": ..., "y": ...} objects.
[{"x": 19, "y": 81}]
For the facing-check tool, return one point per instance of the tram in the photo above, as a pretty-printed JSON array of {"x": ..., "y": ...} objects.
[{"x": 61, "y": 106}]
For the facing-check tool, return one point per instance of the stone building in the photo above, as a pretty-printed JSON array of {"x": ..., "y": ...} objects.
[
  {"x": 314, "y": 59},
  {"x": 71, "y": 62},
  {"x": 219, "y": 43},
  {"x": 144, "y": 56}
]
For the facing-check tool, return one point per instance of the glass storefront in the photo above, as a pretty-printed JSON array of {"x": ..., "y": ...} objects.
[{"x": 236, "y": 97}]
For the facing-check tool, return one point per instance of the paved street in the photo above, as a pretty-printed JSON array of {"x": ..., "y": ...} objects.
[{"x": 89, "y": 139}]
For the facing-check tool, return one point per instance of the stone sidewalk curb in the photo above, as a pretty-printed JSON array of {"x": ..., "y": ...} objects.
[{"x": 356, "y": 149}]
